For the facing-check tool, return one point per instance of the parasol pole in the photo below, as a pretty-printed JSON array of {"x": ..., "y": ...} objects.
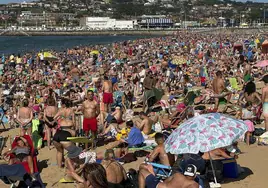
[{"x": 213, "y": 170}]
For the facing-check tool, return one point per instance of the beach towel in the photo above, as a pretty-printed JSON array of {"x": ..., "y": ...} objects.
[
  {"x": 234, "y": 84},
  {"x": 37, "y": 139}
]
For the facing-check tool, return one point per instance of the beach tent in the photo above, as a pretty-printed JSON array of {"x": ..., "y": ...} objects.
[{"x": 265, "y": 47}]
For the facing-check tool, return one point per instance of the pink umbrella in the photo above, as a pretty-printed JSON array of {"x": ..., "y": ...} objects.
[{"x": 263, "y": 63}]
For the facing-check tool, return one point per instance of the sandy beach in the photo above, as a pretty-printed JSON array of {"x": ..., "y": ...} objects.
[{"x": 253, "y": 159}]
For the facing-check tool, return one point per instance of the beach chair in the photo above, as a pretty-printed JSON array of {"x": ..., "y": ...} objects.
[
  {"x": 25, "y": 180},
  {"x": 3, "y": 118},
  {"x": 3, "y": 141},
  {"x": 234, "y": 84},
  {"x": 161, "y": 171}
]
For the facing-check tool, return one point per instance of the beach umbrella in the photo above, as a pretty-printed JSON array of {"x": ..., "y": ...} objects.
[
  {"x": 48, "y": 56},
  {"x": 237, "y": 44},
  {"x": 265, "y": 43},
  {"x": 205, "y": 133},
  {"x": 263, "y": 63},
  {"x": 94, "y": 52}
]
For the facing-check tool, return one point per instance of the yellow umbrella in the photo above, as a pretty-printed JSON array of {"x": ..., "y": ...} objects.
[
  {"x": 257, "y": 41},
  {"x": 48, "y": 56},
  {"x": 96, "y": 52}
]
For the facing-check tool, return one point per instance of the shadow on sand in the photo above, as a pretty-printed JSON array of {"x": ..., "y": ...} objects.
[
  {"x": 42, "y": 164},
  {"x": 247, "y": 172}
]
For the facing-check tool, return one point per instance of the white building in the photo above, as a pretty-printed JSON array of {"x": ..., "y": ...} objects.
[{"x": 106, "y": 23}]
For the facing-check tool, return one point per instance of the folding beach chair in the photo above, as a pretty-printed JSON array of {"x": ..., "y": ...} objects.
[
  {"x": 3, "y": 141},
  {"x": 161, "y": 171},
  {"x": 3, "y": 118},
  {"x": 25, "y": 180}
]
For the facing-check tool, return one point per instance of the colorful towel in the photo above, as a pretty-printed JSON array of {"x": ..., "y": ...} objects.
[{"x": 37, "y": 139}]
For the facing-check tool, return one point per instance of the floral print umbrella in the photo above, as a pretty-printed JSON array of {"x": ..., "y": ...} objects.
[{"x": 205, "y": 133}]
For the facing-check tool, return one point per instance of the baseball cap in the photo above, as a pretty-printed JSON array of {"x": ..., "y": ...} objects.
[{"x": 190, "y": 170}]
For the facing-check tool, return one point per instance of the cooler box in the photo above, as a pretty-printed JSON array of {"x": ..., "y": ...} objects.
[{"x": 230, "y": 169}]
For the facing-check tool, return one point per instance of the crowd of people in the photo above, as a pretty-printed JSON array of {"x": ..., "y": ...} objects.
[{"x": 129, "y": 95}]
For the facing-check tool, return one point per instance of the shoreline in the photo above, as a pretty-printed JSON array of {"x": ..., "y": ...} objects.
[{"x": 90, "y": 33}]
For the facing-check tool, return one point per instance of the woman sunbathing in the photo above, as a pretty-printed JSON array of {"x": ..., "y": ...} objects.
[{"x": 22, "y": 154}]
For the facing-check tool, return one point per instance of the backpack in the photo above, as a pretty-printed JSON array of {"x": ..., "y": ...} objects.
[{"x": 132, "y": 180}]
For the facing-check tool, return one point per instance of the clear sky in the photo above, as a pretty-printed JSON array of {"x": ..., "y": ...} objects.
[{"x": 16, "y": 1}]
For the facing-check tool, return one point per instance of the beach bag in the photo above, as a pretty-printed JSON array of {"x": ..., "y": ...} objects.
[
  {"x": 132, "y": 180},
  {"x": 128, "y": 158},
  {"x": 141, "y": 153},
  {"x": 263, "y": 139}
]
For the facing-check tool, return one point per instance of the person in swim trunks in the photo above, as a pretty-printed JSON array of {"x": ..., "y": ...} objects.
[
  {"x": 107, "y": 88},
  {"x": 91, "y": 110},
  {"x": 24, "y": 118}
]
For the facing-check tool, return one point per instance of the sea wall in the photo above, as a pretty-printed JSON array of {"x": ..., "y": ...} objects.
[
  {"x": 88, "y": 33},
  {"x": 134, "y": 32}
]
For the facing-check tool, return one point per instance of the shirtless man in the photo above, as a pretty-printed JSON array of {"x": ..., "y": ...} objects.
[
  {"x": 75, "y": 74},
  {"x": 146, "y": 124},
  {"x": 107, "y": 89},
  {"x": 219, "y": 88},
  {"x": 265, "y": 101},
  {"x": 91, "y": 110},
  {"x": 24, "y": 118},
  {"x": 116, "y": 174},
  {"x": 148, "y": 179},
  {"x": 159, "y": 151}
]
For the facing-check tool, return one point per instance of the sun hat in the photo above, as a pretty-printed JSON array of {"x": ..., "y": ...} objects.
[{"x": 73, "y": 151}]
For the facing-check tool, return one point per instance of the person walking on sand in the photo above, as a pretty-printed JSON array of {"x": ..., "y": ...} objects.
[
  {"x": 91, "y": 110},
  {"x": 107, "y": 89}
]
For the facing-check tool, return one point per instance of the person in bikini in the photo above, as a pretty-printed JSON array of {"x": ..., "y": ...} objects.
[
  {"x": 159, "y": 152},
  {"x": 107, "y": 89},
  {"x": 66, "y": 113},
  {"x": 65, "y": 130},
  {"x": 22, "y": 154},
  {"x": 116, "y": 174},
  {"x": 91, "y": 110},
  {"x": 24, "y": 118},
  {"x": 49, "y": 113}
]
